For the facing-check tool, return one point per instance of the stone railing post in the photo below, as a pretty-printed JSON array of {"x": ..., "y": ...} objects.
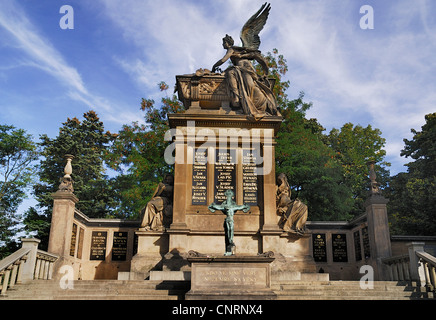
[
  {"x": 28, "y": 268},
  {"x": 416, "y": 272}
]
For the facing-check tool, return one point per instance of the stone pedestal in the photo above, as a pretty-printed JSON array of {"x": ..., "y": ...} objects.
[
  {"x": 229, "y": 278},
  {"x": 378, "y": 229},
  {"x": 215, "y": 148}
]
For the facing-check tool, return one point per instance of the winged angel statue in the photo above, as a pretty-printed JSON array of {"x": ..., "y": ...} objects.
[{"x": 249, "y": 91}]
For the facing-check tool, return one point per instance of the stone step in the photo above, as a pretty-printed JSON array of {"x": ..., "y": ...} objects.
[
  {"x": 176, "y": 290},
  {"x": 343, "y": 293},
  {"x": 117, "y": 297},
  {"x": 307, "y": 297},
  {"x": 100, "y": 290},
  {"x": 350, "y": 290}
]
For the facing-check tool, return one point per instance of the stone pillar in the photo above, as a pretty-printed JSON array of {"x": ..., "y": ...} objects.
[
  {"x": 178, "y": 230},
  {"x": 378, "y": 226},
  {"x": 28, "y": 268},
  {"x": 180, "y": 177},
  {"x": 270, "y": 229},
  {"x": 64, "y": 204}
]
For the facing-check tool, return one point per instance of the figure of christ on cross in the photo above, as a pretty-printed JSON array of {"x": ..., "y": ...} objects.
[{"x": 229, "y": 207}]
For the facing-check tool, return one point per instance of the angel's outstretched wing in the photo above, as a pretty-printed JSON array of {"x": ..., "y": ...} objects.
[{"x": 250, "y": 31}]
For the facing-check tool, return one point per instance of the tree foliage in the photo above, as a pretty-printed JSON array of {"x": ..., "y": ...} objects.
[
  {"x": 353, "y": 147},
  {"x": 17, "y": 155},
  {"x": 87, "y": 141},
  {"x": 328, "y": 172},
  {"x": 138, "y": 154},
  {"x": 314, "y": 175},
  {"x": 413, "y": 193}
]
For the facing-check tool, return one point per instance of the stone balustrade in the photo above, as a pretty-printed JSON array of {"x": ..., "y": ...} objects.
[
  {"x": 398, "y": 268},
  {"x": 417, "y": 265},
  {"x": 427, "y": 265},
  {"x": 44, "y": 265},
  {"x": 27, "y": 263}
]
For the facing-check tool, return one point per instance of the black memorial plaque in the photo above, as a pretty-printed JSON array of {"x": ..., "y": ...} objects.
[
  {"x": 319, "y": 247},
  {"x": 135, "y": 244},
  {"x": 249, "y": 177},
  {"x": 98, "y": 245},
  {"x": 199, "y": 177},
  {"x": 339, "y": 247},
  {"x": 357, "y": 247},
  {"x": 119, "y": 246},
  {"x": 73, "y": 240},
  {"x": 225, "y": 173},
  {"x": 366, "y": 246},
  {"x": 80, "y": 245}
]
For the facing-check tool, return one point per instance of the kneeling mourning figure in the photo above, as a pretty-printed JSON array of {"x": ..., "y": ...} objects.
[
  {"x": 293, "y": 212},
  {"x": 157, "y": 214}
]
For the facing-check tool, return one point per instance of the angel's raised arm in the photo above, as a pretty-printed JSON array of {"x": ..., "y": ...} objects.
[{"x": 223, "y": 59}]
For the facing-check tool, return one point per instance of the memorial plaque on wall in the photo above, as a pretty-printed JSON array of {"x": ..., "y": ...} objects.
[
  {"x": 135, "y": 244},
  {"x": 357, "y": 247},
  {"x": 319, "y": 247},
  {"x": 225, "y": 173},
  {"x": 73, "y": 240},
  {"x": 119, "y": 246},
  {"x": 98, "y": 245},
  {"x": 365, "y": 239},
  {"x": 339, "y": 247},
  {"x": 80, "y": 246},
  {"x": 199, "y": 177},
  {"x": 249, "y": 177}
]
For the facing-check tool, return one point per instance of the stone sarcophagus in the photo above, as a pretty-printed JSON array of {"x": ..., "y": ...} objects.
[{"x": 204, "y": 91}]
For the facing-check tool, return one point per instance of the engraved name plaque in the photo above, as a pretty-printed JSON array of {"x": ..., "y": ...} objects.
[
  {"x": 98, "y": 245},
  {"x": 199, "y": 177},
  {"x": 225, "y": 173},
  {"x": 119, "y": 247},
  {"x": 249, "y": 177},
  {"x": 319, "y": 247},
  {"x": 339, "y": 247}
]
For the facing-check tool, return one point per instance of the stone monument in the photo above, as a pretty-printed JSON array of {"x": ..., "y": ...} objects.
[{"x": 224, "y": 162}]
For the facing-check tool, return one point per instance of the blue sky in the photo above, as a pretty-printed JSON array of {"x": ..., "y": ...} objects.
[{"x": 120, "y": 49}]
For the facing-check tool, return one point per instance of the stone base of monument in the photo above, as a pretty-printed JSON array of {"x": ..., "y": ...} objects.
[{"x": 231, "y": 278}]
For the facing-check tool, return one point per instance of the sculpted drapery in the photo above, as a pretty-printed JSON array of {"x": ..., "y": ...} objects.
[{"x": 249, "y": 91}]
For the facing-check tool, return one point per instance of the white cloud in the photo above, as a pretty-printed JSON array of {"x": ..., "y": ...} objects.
[
  {"x": 43, "y": 55},
  {"x": 384, "y": 77}
]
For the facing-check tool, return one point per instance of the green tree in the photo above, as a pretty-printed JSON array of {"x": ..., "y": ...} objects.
[
  {"x": 314, "y": 175},
  {"x": 353, "y": 147},
  {"x": 302, "y": 154},
  {"x": 138, "y": 154},
  {"x": 87, "y": 141},
  {"x": 17, "y": 155},
  {"x": 413, "y": 194}
]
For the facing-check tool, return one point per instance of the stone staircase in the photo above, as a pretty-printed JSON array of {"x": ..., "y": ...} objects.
[
  {"x": 175, "y": 290},
  {"x": 349, "y": 290},
  {"x": 100, "y": 290}
]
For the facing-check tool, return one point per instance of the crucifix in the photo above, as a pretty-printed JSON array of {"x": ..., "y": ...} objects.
[{"x": 229, "y": 207}]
